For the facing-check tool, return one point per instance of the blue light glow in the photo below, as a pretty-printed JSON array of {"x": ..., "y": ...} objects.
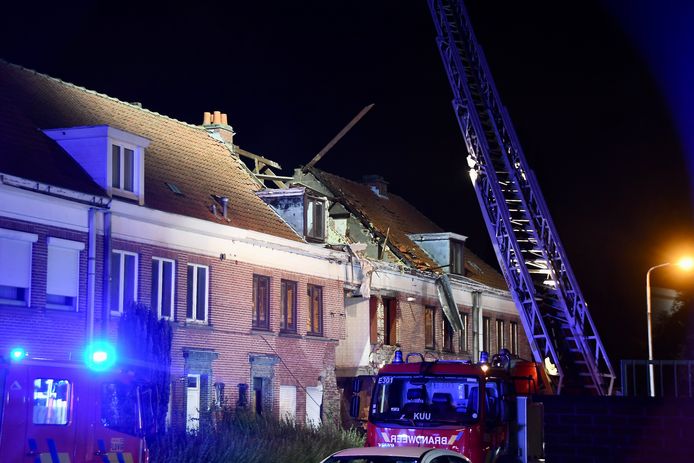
[
  {"x": 17, "y": 354},
  {"x": 100, "y": 356}
]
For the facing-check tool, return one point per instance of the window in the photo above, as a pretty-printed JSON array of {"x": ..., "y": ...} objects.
[
  {"x": 52, "y": 401},
  {"x": 288, "y": 320},
  {"x": 315, "y": 218},
  {"x": 123, "y": 168},
  {"x": 261, "y": 302},
  {"x": 463, "y": 342},
  {"x": 314, "y": 323},
  {"x": 288, "y": 403},
  {"x": 123, "y": 280},
  {"x": 197, "y": 297},
  {"x": 62, "y": 279},
  {"x": 15, "y": 266},
  {"x": 500, "y": 335},
  {"x": 390, "y": 312},
  {"x": 513, "y": 345},
  {"x": 447, "y": 335},
  {"x": 486, "y": 333},
  {"x": 373, "y": 320},
  {"x": 457, "y": 263},
  {"x": 163, "y": 286},
  {"x": 429, "y": 318}
]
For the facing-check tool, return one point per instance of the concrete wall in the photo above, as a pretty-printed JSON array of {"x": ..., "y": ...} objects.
[{"x": 618, "y": 429}]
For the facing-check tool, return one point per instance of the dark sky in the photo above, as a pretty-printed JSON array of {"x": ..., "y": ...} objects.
[{"x": 594, "y": 117}]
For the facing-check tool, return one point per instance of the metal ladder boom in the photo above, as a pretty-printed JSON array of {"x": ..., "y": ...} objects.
[{"x": 551, "y": 307}]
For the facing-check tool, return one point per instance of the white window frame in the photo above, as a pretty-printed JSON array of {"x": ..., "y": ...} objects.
[
  {"x": 137, "y": 170},
  {"x": 26, "y": 237},
  {"x": 160, "y": 285},
  {"x": 195, "y": 293},
  {"x": 77, "y": 247},
  {"x": 312, "y": 219},
  {"x": 121, "y": 285}
]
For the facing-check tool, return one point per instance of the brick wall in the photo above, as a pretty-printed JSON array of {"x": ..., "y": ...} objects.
[
  {"x": 305, "y": 360},
  {"x": 618, "y": 429}
]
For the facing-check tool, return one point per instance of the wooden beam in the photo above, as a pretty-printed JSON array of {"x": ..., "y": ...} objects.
[
  {"x": 337, "y": 138},
  {"x": 256, "y": 157}
]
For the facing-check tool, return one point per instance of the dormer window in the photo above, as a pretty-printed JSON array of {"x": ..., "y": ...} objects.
[
  {"x": 457, "y": 264},
  {"x": 114, "y": 158},
  {"x": 315, "y": 218},
  {"x": 123, "y": 168}
]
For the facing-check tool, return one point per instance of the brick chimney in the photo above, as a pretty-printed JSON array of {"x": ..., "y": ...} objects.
[
  {"x": 377, "y": 184},
  {"x": 217, "y": 125}
]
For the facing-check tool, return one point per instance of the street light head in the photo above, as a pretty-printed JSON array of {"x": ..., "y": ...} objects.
[{"x": 686, "y": 263}]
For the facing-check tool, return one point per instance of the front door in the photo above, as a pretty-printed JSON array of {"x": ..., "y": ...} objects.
[{"x": 193, "y": 402}]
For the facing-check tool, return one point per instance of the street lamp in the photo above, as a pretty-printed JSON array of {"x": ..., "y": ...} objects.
[{"x": 686, "y": 264}]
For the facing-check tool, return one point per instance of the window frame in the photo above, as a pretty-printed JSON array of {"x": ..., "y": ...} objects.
[
  {"x": 486, "y": 334},
  {"x": 31, "y": 238},
  {"x": 310, "y": 320},
  {"x": 311, "y": 234},
  {"x": 430, "y": 313},
  {"x": 285, "y": 326},
  {"x": 160, "y": 287},
  {"x": 463, "y": 341},
  {"x": 456, "y": 255},
  {"x": 500, "y": 334},
  {"x": 257, "y": 310},
  {"x": 194, "y": 297},
  {"x": 120, "y": 189},
  {"x": 121, "y": 281},
  {"x": 390, "y": 317},
  {"x": 514, "y": 346},
  {"x": 447, "y": 330},
  {"x": 70, "y": 245}
]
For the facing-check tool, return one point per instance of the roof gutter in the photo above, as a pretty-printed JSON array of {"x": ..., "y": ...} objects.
[{"x": 52, "y": 190}]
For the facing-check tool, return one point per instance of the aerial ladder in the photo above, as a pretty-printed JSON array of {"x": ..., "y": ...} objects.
[{"x": 555, "y": 316}]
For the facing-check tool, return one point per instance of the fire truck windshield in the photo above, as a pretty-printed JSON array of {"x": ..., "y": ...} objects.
[{"x": 426, "y": 400}]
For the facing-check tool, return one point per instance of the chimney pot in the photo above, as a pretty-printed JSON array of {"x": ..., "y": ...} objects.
[
  {"x": 224, "y": 119},
  {"x": 217, "y": 119},
  {"x": 206, "y": 118}
]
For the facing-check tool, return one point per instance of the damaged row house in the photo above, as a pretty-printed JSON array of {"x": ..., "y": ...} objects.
[{"x": 277, "y": 297}]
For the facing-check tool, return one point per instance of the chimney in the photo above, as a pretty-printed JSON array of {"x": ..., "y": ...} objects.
[
  {"x": 217, "y": 125},
  {"x": 377, "y": 184}
]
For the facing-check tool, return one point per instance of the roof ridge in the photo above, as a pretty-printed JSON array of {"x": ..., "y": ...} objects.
[{"x": 99, "y": 94}]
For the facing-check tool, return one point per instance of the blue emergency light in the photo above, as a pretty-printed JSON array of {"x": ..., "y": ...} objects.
[
  {"x": 398, "y": 356},
  {"x": 100, "y": 356},
  {"x": 17, "y": 354}
]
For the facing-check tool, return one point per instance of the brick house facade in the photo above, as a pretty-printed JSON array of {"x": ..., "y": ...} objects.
[{"x": 158, "y": 212}]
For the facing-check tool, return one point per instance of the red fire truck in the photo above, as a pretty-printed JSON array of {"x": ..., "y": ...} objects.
[
  {"x": 484, "y": 411},
  {"x": 69, "y": 412}
]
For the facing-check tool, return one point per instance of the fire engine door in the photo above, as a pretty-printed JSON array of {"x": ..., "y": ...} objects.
[{"x": 40, "y": 415}]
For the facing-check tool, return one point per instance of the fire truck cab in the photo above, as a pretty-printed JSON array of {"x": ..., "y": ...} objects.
[
  {"x": 65, "y": 412},
  {"x": 482, "y": 411}
]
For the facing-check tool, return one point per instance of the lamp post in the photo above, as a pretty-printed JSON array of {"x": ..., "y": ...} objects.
[{"x": 686, "y": 264}]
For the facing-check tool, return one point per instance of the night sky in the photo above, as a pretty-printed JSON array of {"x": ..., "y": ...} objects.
[{"x": 596, "y": 92}]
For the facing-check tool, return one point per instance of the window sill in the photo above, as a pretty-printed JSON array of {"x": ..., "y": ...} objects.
[
  {"x": 319, "y": 337},
  {"x": 13, "y": 303},
  {"x": 290, "y": 334},
  {"x": 261, "y": 329},
  {"x": 196, "y": 324},
  {"x": 62, "y": 308}
]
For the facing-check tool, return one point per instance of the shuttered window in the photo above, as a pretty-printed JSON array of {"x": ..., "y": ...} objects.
[
  {"x": 15, "y": 266},
  {"x": 288, "y": 403},
  {"x": 62, "y": 279}
]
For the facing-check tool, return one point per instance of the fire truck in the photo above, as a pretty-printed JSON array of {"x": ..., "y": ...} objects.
[
  {"x": 71, "y": 412},
  {"x": 483, "y": 411}
]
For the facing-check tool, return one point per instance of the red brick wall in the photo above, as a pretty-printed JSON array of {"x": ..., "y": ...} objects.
[{"x": 59, "y": 334}]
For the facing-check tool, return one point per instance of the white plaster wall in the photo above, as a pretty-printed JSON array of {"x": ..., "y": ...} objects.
[{"x": 354, "y": 350}]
